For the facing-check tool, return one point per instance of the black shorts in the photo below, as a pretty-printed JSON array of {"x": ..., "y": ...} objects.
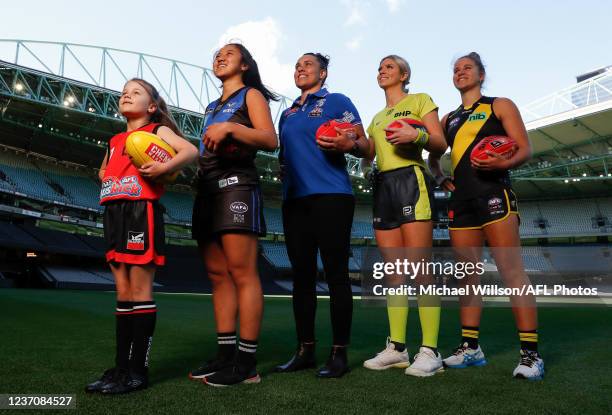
[
  {"x": 237, "y": 210},
  {"x": 134, "y": 232},
  {"x": 481, "y": 211},
  {"x": 402, "y": 196}
]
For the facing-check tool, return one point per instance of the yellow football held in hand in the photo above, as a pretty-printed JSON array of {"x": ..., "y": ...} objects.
[{"x": 144, "y": 147}]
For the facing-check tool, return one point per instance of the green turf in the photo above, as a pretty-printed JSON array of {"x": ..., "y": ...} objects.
[{"x": 57, "y": 341}]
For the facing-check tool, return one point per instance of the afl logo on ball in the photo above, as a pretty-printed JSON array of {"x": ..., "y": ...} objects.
[{"x": 239, "y": 207}]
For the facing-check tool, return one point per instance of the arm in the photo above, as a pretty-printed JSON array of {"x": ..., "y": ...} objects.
[
  {"x": 434, "y": 162},
  {"x": 437, "y": 141},
  {"x": 186, "y": 153},
  {"x": 103, "y": 167},
  {"x": 510, "y": 117},
  {"x": 262, "y": 135}
]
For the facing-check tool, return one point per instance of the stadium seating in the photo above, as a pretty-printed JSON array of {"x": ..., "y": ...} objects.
[
  {"x": 274, "y": 220},
  {"x": 23, "y": 177},
  {"x": 179, "y": 206},
  {"x": 45, "y": 180}
]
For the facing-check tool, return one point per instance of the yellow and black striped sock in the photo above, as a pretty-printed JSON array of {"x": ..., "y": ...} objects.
[
  {"x": 469, "y": 335},
  {"x": 529, "y": 340}
]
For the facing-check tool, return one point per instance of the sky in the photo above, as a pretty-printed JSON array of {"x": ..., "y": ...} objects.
[{"x": 530, "y": 48}]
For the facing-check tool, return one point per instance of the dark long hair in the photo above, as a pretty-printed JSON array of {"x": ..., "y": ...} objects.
[
  {"x": 251, "y": 77},
  {"x": 162, "y": 114}
]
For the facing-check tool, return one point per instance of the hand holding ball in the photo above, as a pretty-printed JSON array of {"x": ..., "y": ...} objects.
[{"x": 143, "y": 147}]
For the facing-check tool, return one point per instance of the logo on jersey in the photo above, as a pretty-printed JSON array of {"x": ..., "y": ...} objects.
[
  {"x": 239, "y": 207},
  {"x": 317, "y": 111},
  {"x": 135, "y": 241},
  {"x": 230, "y": 107},
  {"x": 112, "y": 150},
  {"x": 402, "y": 114},
  {"x": 477, "y": 116},
  {"x": 291, "y": 111},
  {"x": 228, "y": 182},
  {"x": 407, "y": 210},
  {"x": 348, "y": 116},
  {"x": 157, "y": 153},
  {"x": 453, "y": 122},
  {"x": 127, "y": 186}
]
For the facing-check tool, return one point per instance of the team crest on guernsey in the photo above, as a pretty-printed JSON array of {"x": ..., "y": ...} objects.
[
  {"x": 453, "y": 122},
  {"x": 317, "y": 111},
  {"x": 127, "y": 186}
]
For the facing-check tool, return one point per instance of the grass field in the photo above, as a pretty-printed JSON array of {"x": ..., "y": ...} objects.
[{"x": 57, "y": 341}]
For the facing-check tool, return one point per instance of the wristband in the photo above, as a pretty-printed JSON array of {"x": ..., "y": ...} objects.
[{"x": 422, "y": 138}]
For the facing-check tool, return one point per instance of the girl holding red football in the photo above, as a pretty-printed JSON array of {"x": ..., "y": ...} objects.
[
  {"x": 403, "y": 208},
  {"x": 228, "y": 212},
  {"x": 134, "y": 231},
  {"x": 484, "y": 207}
]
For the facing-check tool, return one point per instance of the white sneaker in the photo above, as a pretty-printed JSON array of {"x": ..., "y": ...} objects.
[
  {"x": 389, "y": 357},
  {"x": 426, "y": 363},
  {"x": 531, "y": 366},
  {"x": 463, "y": 356}
]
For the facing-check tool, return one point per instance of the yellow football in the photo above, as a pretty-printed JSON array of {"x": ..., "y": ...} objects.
[{"x": 144, "y": 147}]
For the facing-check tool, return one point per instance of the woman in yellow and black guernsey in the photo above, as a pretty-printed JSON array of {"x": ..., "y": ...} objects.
[
  {"x": 402, "y": 211},
  {"x": 484, "y": 207}
]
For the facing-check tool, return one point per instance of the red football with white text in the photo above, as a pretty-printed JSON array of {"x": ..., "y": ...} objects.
[{"x": 498, "y": 144}]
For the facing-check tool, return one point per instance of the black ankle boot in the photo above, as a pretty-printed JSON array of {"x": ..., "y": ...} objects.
[
  {"x": 337, "y": 364},
  {"x": 304, "y": 358}
]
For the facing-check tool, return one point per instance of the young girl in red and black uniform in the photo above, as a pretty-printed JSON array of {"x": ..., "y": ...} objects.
[
  {"x": 228, "y": 212},
  {"x": 134, "y": 232}
]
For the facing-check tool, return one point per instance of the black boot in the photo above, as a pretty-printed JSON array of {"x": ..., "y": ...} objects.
[
  {"x": 127, "y": 382},
  {"x": 337, "y": 364},
  {"x": 304, "y": 358},
  {"x": 110, "y": 376}
]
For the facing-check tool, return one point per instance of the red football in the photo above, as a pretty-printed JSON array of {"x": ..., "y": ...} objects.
[
  {"x": 328, "y": 128},
  {"x": 414, "y": 123},
  {"x": 498, "y": 144}
]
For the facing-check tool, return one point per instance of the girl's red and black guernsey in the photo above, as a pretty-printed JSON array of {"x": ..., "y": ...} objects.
[{"x": 133, "y": 218}]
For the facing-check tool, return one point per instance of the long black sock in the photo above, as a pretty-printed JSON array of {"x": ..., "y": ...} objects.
[
  {"x": 144, "y": 316},
  {"x": 246, "y": 353},
  {"x": 227, "y": 345},
  {"x": 123, "y": 334}
]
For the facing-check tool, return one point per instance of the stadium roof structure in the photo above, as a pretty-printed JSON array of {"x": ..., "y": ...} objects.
[
  {"x": 571, "y": 137},
  {"x": 70, "y": 91}
]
